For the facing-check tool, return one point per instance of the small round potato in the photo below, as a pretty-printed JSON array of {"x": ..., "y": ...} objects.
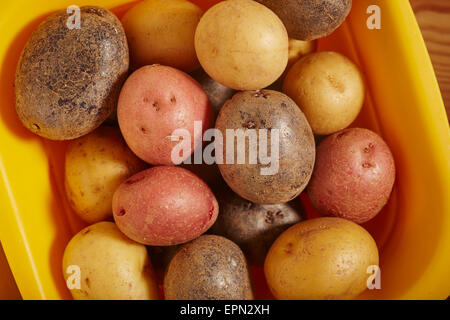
[
  {"x": 68, "y": 79},
  {"x": 242, "y": 44},
  {"x": 164, "y": 206},
  {"x": 274, "y": 123},
  {"x": 254, "y": 227},
  {"x": 353, "y": 176},
  {"x": 95, "y": 166},
  {"x": 162, "y": 31},
  {"x": 106, "y": 265},
  {"x": 329, "y": 88},
  {"x": 310, "y": 19},
  {"x": 323, "y": 258},
  {"x": 208, "y": 268},
  {"x": 155, "y": 101}
]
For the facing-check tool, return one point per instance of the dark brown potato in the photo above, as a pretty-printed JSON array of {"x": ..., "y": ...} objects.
[
  {"x": 208, "y": 268},
  {"x": 310, "y": 19},
  {"x": 160, "y": 258},
  {"x": 217, "y": 93},
  {"x": 254, "y": 227},
  {"x": 267, "y": 109},
  {"x": 68, "y": 80}
]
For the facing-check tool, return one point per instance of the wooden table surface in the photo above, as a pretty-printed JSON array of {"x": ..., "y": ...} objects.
[{"x": 433, "y": 17}]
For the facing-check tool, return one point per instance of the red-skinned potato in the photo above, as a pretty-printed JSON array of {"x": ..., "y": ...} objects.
[
  {"x": 353, "y": 175},
  {"x": 164, "y": 206},
  {"x": 154, "y": 102}
]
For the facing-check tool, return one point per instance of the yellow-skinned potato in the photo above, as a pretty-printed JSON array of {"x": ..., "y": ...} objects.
[
  {"x": 95, "y": 166},
  {"x": 162, "y": 31},
  {"x": 101, "y": 263},
  {"x": 298, "y": 49},
  {"x": 323, "y": 258},
  {"x": 242, "y": 44},
  {"x": 329, "y": 88}
]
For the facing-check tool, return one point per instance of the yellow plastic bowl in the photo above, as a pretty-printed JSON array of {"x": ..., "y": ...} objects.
[{"x": 403, "y": 105}]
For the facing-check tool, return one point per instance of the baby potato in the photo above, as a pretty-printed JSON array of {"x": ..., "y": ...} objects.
[
  {"x": 284, "y": 174},
  {"x": 323, "y": 258},
  {"x": 208, "y": 268},
  {"x": 111, "y": 266},
  {"x": 68, "y": 79},
  {"x": 254, "y": 227},
  {"x": 310, "y": 19},
  {"x": 95, "y": 166},
  {"x": 164, "y": 206},
  {"x": 155, "y": 101},
  {"x": 162, "y": 31},
  {"x": 353, "y": 176},
  {"x": 242, "y": 44},
  {"x": 329, "y": 88}
]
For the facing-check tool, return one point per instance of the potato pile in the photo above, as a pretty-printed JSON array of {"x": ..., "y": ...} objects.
[{"x": 213, "y": 118}]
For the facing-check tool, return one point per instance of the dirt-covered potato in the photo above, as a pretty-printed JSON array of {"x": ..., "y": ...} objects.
[
  {"x": 323, "y": 258},
  {"x": 329, "y": 88},
  {"x": 106, "y": 265},
  {"x": 95, "y": 166},
  {"x": 155, "y": 101},
  {"x": 310, "y": 19},
  {"x": 217, "y": 94},
  {"x": 68, "y": 79},
  {"x": 278, "y": 160},
  {"x": 353, "y": 176},
  {"x": 242, "y": 44},
  {"x": 162, "y": 31},
  {"x": 164, "y": 206},
  {"x": 254, "y": 227},
  {"x": 208, "y": 268}
]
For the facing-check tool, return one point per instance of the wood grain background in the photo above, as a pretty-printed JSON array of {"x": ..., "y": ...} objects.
[{"x": 433, "y": 17}]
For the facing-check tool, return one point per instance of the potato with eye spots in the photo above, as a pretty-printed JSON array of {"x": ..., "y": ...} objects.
[
  {"x": 254, "y": 227},
  {"x": 110, "y": 266},
  {"x": 329, "y": 88},
  {"x": 208, "y": 268},
  {"x": 95, "y": 166},
  {"x": 323, "y": 258},
  {"x": 354, "y": 175},
  {"x": 68, "y": 79},
  {"x": 155, "y": 101},
  {"x": 164, "y": 206},
  {"x": 269, "y": 157}
]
